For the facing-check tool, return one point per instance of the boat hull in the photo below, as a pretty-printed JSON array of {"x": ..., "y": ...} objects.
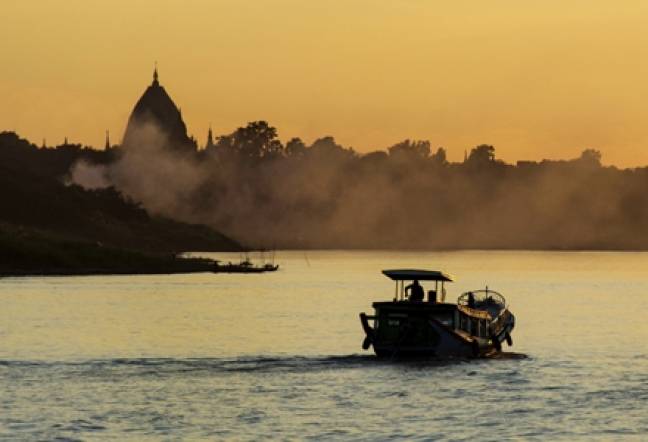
[
  {"x": 432, "y": 331},
  {"x": 237, "y": 268},
  {"x": 446, "y": 344}
]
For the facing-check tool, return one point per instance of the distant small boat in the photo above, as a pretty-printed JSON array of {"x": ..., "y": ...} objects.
[
  {"x": 244, "y": 266},
  {"x": 409, "y": 326}
]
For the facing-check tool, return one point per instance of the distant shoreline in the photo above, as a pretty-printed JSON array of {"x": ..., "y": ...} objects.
[
  {"x": 166, "y": 267},
  {"x": 448, "y": 249},
  {"x": 30, "y": 252},
  {"x": 179, "y": 265},
  {"x": 100, "y": 272}
]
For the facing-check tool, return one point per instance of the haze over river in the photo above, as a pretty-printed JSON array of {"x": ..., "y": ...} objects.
[{"x": 216, "y": 356}]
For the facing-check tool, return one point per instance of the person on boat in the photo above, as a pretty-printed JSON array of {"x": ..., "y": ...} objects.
[
  {"x": 416, "y": 291},
  {"x": 471, "y": 300}
]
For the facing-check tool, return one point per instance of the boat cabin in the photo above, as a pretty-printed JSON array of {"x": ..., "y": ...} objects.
[
  {"x": 472, "y": 315},
  {"x": 405, "y": 275}
]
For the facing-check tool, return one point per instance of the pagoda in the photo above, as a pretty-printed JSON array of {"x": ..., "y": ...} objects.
[{"x": 156, "y": 107}]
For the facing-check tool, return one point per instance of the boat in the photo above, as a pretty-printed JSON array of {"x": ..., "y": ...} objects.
[
  {"x": 411, "y": 326},
  {"x": 243, "y": 267}
]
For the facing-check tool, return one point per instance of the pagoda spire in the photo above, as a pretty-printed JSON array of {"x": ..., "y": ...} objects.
[
  {"x": 107, "y": 146},
  {"x": 155, "y": 75},
  {"x": 210, "y": 139}
]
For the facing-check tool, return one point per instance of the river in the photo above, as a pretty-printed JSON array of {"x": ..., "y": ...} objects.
[{"x": 277, "y": 356}]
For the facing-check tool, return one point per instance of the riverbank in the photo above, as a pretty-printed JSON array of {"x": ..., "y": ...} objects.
[
  {"x": 29, "y": 252},
  {"x": 179, "y": 265}
]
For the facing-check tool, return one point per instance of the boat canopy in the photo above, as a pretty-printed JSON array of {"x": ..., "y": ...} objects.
[{"x": 421, "y": 275}]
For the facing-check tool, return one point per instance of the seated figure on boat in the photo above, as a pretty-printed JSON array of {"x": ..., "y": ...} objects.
[
  {"x": 471, "y": 300},
  {"x": 416, "y": 292}
]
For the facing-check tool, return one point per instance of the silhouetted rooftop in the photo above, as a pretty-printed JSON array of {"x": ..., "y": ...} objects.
[{"x": 422, "y": 275}]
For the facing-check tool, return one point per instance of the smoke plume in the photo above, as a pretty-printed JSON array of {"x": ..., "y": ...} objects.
[{"x": 327, "y": 196}]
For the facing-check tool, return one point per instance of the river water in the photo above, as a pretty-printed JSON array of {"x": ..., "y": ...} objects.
[{"x": 278, "y": 355}]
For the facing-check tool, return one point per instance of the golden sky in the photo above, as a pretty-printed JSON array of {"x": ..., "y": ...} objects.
[{"x": 537, "y": 79}]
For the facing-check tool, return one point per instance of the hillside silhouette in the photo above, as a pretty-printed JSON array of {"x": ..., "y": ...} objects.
[{"x": 41, "y": 205}]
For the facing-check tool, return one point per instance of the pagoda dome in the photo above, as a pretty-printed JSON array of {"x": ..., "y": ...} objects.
[{"x": 156, "y": 107}]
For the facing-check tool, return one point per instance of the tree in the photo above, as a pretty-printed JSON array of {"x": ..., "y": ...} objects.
[
  {"x": 482, "y": 155},
  {"x": 327, "y": 147},
  {"x": 295, "y": 147},
  {"x": 590, "y": 157},
  {"x": 415, "y": 149},
  {"x": 256, "y": 140},
  {"x": 440, "y": 157}
]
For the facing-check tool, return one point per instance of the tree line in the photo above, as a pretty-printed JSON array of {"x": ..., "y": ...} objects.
[{"x": 265, "y": 193}]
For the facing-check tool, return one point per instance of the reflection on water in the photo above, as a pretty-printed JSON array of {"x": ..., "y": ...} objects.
[{"x": 278, "y": 355}]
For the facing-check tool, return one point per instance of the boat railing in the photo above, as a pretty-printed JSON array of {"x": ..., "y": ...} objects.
[
  {"x": 476, "y": 313},
  {"x": 482, "y": 299}
]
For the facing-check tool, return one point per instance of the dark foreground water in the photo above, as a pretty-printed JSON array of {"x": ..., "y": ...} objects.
[{"x": 278, "y": 356}]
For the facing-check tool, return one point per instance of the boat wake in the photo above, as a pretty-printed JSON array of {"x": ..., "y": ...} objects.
[{"x": 251, "y": 364}]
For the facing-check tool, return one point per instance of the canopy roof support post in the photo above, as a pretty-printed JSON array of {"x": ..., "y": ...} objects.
[{"x": 436, "y": 292}]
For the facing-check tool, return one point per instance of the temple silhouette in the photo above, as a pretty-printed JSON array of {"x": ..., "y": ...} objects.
[{"x": 156, "y": 107}]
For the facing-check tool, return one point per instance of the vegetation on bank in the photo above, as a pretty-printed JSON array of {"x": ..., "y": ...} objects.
[
  {"x": 32, "y": 252},
  {"x": 50, "y": 226},
  {"x": 35, "y": 193}
]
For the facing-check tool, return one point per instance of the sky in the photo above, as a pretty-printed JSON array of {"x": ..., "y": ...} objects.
[{"x": 536, "y": 79}]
